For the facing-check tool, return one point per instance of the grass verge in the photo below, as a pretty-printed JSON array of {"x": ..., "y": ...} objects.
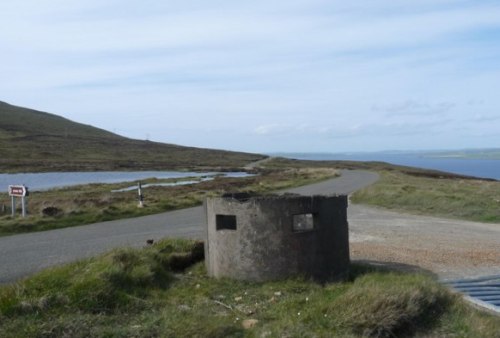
[
  {"x": 470, "y": 199},
  {"x": 420, "y": 191},
  {"x": 92, "y": 203},
  {"x": 160, "y": 291}
]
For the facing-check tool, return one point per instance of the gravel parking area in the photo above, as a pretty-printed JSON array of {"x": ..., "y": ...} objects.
[{"x": 447, "y": 248}]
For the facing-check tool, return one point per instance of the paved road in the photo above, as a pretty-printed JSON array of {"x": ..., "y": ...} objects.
[{"x": 22, "y": 255}]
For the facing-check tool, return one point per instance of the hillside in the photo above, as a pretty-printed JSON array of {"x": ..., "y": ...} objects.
[{"x": 31, "y": 140}]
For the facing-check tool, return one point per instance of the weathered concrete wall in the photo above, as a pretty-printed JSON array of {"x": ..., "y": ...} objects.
[{"x": 266, "y": 246}]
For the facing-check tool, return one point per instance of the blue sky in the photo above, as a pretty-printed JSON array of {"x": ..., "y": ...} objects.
[{"x": 262, "y": 76}]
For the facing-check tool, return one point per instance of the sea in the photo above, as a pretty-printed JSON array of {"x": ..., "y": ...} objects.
[{"x": 483, "y": 168}]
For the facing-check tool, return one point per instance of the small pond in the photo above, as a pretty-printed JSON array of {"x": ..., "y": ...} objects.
[{"x": 45, "y": 181}]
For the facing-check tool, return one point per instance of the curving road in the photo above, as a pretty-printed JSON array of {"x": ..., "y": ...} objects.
[{"x": 23, "y": 255}]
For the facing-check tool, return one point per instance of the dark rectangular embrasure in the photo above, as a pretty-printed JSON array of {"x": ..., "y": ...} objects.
[{"x": 225, "y": 222}]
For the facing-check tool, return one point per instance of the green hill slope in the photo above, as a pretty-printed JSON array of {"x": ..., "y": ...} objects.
[{"x": 31, "y": 140}]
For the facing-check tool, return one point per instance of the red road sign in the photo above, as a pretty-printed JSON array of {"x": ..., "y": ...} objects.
[{"x": 17, "y": 190}]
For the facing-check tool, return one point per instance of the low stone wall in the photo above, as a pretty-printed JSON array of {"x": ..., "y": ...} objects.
[{"x": 274, "y": 237}]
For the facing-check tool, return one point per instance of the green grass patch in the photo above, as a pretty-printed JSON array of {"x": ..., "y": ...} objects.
[
  {"x": 148, "y": 293},
  {"x": 470, "y": 199}
]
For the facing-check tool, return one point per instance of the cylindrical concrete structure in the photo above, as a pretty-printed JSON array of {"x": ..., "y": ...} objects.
[{"x": 275, "y": 237}]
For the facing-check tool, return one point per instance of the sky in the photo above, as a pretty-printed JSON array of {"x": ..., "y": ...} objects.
[{"x": 262, "y": 76}]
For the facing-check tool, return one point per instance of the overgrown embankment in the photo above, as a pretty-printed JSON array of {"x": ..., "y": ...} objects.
[{"x": 160, "y": 291}]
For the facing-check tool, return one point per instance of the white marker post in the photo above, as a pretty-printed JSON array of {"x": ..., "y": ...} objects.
[
  {"x": 18, "y": 191},
  {"x": 141, "y": 197},
  {"x": 13, "y": 205}
]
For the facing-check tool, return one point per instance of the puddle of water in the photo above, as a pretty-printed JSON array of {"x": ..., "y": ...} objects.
[{"x": 170, "y": 184}]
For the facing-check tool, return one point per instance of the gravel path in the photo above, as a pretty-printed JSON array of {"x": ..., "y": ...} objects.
[{"x": 448, "y": 248}]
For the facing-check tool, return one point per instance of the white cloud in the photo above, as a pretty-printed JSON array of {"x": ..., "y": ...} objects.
[
  {"x": 414, "y": 108},
  {"x": 299, "y": 72}
]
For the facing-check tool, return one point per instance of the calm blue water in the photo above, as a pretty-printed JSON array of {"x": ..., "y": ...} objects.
[
  {"x": 472, "y": 167},
  {"x": 171, "y": 184},
  {"x": 43, "y": 181}
]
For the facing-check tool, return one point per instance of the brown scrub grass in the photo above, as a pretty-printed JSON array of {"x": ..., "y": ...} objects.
[
  {"x": 139, "y": 293},
  {"x": 35, "y": 141},
  {"x": 92, "y": 203}
]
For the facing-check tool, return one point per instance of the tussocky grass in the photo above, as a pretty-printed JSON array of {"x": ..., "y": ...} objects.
[{"x": 160, "y": 291}]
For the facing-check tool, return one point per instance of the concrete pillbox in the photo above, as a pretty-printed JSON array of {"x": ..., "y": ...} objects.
[{"x": 273, "y": 237}]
